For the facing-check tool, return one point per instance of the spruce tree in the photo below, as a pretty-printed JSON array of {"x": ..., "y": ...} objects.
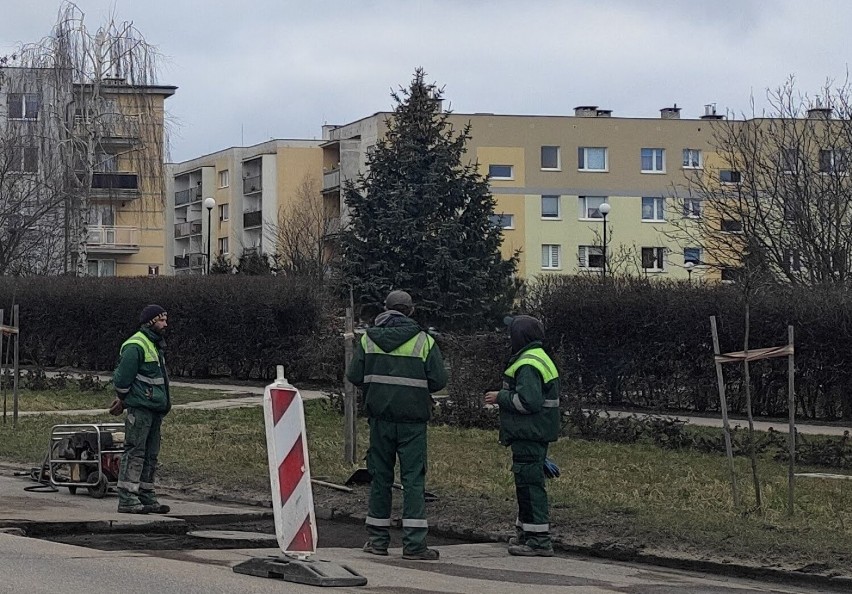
[{"x": 420, "y": 220}]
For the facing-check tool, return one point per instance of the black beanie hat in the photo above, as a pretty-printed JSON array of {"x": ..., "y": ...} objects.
[{"x": 149, "y": 313}]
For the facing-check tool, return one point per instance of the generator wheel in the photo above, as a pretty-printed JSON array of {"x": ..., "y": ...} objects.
[
  {"x": 72, "y": 490},
  {"x": 99, "y": 490}
]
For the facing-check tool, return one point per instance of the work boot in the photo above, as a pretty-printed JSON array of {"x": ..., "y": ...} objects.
[
  {"x": 149, "y": 499},
  {"x": 424, "y": 555},
  {"x": 527, "y": 551},
  {"x": 373, "y": 550},
  {"x": 136, "y": 508},
  {"x": 520, "y": 538}
]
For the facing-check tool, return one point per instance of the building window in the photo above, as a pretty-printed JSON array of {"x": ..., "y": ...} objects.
[
  {"x": 223, "y": 245},
  {"x": 550, "y": 207},
  {"x": 24, "y": 159},
  {"x": 653, "y": 259},
  {"x": 23, "y": 106},
  {"x": 692, "y": 208},
  {"x": 692, "y": 254},
  {"x": 551, "y": 158},
  {"x": 691, "y": 158},
  {"x": 592, "y": 159},
  {"x": 500, "y": 172},
  {"x": 224, "y": 178},
  {"x": 730, "y": 275},
  {"x": 729, "y": 176},
  {"x": 153, "y": 271},
  {"x": 101, "y": 267},
  {"x": 788, "y": 160},
  {"x": 551, "y": 256},
  {"x": 792, "y": 261},
  {"x": 590, "y": 207},
  {"x": 653, "y": 160},
  {"x": 224, "y": 212},
  {"x": 653, "y": 209},
  {"x": 590, "y": 257},
  {"x": 503, "y": 221},
  {"x": 834, "y": 161},
  {"x": 731, "y": 226}
]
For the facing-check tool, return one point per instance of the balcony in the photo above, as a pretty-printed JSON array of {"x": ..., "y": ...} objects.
[
  {"x": 252, "y": 184},
  {"x": 113, "y": 240},
  {"x": 109, "y": 128},
  {"x": 190, "y": 261},
  {"x": 186, "y": 196},
  {"x": 188, "y": 228},
  {"x": 331, "y": 180},
  {"x": 252, "y": 218},
  {"x": 113, "y": 186}
]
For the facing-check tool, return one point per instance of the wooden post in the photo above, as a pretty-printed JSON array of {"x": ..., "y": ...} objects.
[
  {"x": 349, "y": 437},
  {"x": 720, "y": 379},
  {"x": 15, "y": 366},
  {"x": 791, "y": 437}
]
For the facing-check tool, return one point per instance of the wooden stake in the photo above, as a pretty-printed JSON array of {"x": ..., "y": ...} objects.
[
  {"x": 723, "y": 404},
  {"x": 15, "y": 373},
  {"x": 791, "y": 437},
  {"x": 349, "y": 437}
]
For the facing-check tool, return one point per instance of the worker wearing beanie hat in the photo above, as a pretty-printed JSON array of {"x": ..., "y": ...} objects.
[
  {"x": 529, "y": 421},
  {"x": 398, "y": 366},
  {"x": 142, "y": 387}
]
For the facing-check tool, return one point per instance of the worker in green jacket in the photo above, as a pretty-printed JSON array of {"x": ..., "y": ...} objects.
[
  {"x": 398, "y": 366},
  {"x": 142, "y": 387},
  {"x": 529, "y": 421}
]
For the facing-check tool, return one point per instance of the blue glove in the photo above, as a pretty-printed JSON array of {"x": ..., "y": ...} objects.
[{"x": 551, "y": 470}]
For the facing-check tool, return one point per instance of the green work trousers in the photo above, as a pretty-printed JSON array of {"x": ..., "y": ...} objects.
[
  {"x": 139, "y": 460},
  {"x": 533, "y": 523},
  {"x": 387, "y": 441}
]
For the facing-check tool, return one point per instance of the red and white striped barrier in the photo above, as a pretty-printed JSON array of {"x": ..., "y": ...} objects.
[{"x": 289, "y": 472}]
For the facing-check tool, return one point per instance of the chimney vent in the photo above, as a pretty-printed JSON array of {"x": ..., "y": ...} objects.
[
  {"x": 586, "y": 111},
  {"x": 710, "y": 112},
  {"x": 818, "y": 112},
  {"x": 670, "y": 113}
]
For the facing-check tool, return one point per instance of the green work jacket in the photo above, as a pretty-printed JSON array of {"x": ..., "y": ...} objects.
[
  {"x": 398, "y": 367},
  {"x": 140, "y": 379},
  {"x": 529, "y": 401}
]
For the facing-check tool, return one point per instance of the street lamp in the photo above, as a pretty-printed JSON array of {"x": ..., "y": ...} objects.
[
  {"x": 689, "y": 266},
  {"x": 209, "y": 203},
  {"x": 604, "y": 210}
]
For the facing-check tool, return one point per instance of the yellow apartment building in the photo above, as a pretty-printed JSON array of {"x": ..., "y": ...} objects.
[
  {"x": 551, "y": 174},
  {"x": 229, "y": 202}
]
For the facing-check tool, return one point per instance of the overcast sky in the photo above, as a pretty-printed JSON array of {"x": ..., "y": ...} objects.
[{"x": 251, "y": 70}]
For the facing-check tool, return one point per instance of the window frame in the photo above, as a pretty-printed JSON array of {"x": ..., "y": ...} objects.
[
  {"x": 584, "y": 252},
  {"x": 583, "y": 158},
  {"x": 499, "y": 223},
  {"x": 558, "y": 215},
  {"x": 658, "y": 257},
  {"x": 223, "y": 241},
  {"x": 730, "y": 223},
  {"x": 18, "y": 164},
  {"x": 23, "y": 104},
  {"x": 583, "y": 203},
  {"x": 548, "y": 249},
  {"x": 832, "y": 162},
  {"x": 224, "y": 212},
  {"x": 658, "y": 214},
  {"x": 697, "y": 261},
  {"x": 225, "y": 174},
  {"x": 686, "y": 162},
  {"x": 657, "y": 156},
  {"x": 688, "y": 209},
  {"x": 558, "y": 150},
  {"x": 736, "y": 177},
  {"x": 491, "y": 176}
]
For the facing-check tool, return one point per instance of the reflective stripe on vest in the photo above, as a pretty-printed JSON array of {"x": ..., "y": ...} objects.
[
  {"x": 418, "y": 346},
  {"x": 540, "y": 360},
  {"x": 148, "y": 347}
]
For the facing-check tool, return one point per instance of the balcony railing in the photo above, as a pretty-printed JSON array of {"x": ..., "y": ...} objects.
[
  {"x": 190, "y": 261},
  {"x": 252, "y": 219},
  {"x": 187, "y": 196},
  {"x": 108, "y": 125},
  {"x": 106, "y": 238},
  {"x": 331, "y": 180},
  {"x": 115, "y": 181},
  {"x": 252, "y": 184},
  {"x": 187, "y": 228}
]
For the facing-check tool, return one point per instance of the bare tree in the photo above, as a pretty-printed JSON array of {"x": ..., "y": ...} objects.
[
  {"x": 91, "y": 88},
  {"x": 777, "y": 186},
  {"x": 300, "y": 236}
]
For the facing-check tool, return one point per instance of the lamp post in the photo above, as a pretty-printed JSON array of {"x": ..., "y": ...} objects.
[
  {"x": 604, "y": 210},
  {"x": 689, "y": 266},
  {"x": 209, "y": 203}
]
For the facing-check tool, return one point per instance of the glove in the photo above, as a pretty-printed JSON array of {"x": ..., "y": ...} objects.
[
  {"x": 551, "y": 470},
  {"x": 117, "y": 407}
]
